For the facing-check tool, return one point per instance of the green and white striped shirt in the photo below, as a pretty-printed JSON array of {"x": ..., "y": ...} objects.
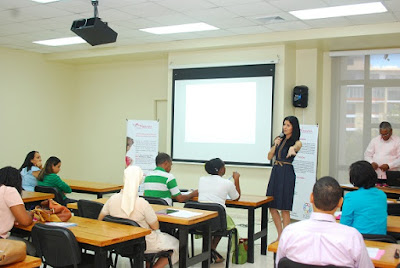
[{"x": 162, "y": 184}]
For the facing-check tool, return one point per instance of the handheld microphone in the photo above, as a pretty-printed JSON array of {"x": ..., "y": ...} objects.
[{"x": 281, "y": 135}]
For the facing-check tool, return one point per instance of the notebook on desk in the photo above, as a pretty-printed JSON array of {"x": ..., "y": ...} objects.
[{"x": 393, "y": 178}]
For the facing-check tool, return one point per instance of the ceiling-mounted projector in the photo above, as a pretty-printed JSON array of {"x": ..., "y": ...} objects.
[{"x": 93, "y": 30}]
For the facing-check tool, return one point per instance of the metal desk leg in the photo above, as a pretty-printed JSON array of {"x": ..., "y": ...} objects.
[
  {"x": 183, "y": 247},
  {"x": 264, "y": 225},
  {"x": 100, "y": 258},
  {"x": 139, "y": 259},
  {"x": 207, "y": 245},
  {"x": 250, "y": 235}
]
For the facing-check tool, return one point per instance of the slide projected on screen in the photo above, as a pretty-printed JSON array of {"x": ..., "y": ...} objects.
[
  {"x": 223, "y": 112},
  {"x": 198, "y": 123}
]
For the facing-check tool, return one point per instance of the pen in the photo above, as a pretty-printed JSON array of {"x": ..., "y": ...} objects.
[{"x": 396, "y": 254}]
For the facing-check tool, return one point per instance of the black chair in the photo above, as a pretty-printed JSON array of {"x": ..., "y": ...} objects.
[
  {"x": 393, "y": 209},
  {"x": 57, "y": 247},
  {"x": 156, "y": 200},
  {"x": 89, "y": 209},
  {"x": 287, "y": 263},
  {"x": 58, "y": 197},
  {"x": 130, "y": 252},
  {"x": 380, "y": 238},
  {"x": 218, "y": 226}
]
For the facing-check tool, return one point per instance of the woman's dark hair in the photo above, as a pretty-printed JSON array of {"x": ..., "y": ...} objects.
[
  {"x": 214, "y": 165},
  {"x": 27, "y": 163},
  {"x": 10, "y": 176},
  {"x": 48, "y": 167},
  {"x": 296, "y": 129},
  {"x": 362, "y": 174}
]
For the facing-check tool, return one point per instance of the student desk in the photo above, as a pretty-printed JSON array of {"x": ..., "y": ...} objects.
[
  {"x": 183, "y": 225},
  {"x": 90, "y": 187},
  {"x": 393, "y": 224},
  {"x": 251, "y": 203},
  {"x": 29, "y": 262},
  {"x": 28, "y": 197},
  {"x": 386, "y": 261},
  {"x": 387, "y": 190},
  {"x": 102, "y": 236}
]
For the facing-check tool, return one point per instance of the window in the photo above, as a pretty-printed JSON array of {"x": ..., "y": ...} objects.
[{"x": 365, "y": 92}]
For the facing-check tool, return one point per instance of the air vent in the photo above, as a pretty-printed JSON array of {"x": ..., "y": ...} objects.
[{"x": 271, "y": 19}]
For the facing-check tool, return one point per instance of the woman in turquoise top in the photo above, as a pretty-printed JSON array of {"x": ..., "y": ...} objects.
[
  {"x": 366, "y": 208},
  {"x": 48, "y": 177}
]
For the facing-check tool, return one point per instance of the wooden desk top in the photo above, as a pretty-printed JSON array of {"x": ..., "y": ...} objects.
[
  {"x": 393, "y": 224},
  {"x": 35, "y": 196},
  {"x": 101, "y": 233},
  {"x": 97, "y": 187},
  {"x": 248, "y": 200},
  {"x": 385, "y": 189},
  {"x": 386, "y": 261},
  {"x": 206, "y": 215},
  {"x": 29, "y": 262}
]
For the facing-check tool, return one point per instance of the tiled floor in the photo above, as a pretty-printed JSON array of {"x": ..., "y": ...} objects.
[{"x": 240, "y": 218}]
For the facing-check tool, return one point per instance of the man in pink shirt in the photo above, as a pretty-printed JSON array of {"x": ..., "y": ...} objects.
[
  {"x": 383, "y": 152},
  {"x": 320, "y": 240}
]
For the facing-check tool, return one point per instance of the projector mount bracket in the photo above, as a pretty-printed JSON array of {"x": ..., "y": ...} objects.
[{"x": 95, "y": 3}]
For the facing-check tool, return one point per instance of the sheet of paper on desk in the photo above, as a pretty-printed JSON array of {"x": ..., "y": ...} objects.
[
  {"x": 184, "y": 214},
  {"x": 61, "y": 224},
  {"x": 375, "y": 253}
]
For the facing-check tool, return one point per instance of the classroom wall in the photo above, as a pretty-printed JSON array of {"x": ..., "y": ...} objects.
[
  {"x": 35, "y": 107},
  {"x": 93, "y": 102}
]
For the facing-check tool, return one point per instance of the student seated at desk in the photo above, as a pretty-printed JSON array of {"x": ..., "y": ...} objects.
[
  {"x": 215, "y": 189},
  {"x": 12, "y": 209},
  {"x": 30, "y": 170},
  {"x": 161, "y": 183},
  {"x": 48, "y": 177},
  {"x": 366, "y": 208},
  {"x": 127, "y": 204},
  {"x": 320, "y": 240}
]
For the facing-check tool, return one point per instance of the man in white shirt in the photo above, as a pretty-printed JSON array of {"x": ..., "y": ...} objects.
[
  {"x": 320, "y": 240},
  {"x": 383, "y": 152}
]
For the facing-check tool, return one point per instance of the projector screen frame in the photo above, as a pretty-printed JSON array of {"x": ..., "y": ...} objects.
[{"x": 241, "y": 71}]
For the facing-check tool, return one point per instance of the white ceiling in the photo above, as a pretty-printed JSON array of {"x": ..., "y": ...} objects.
[{"x": 24, "y": 21}]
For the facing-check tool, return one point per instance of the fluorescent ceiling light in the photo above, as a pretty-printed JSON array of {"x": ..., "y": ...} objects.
[
  {"x": 339, "y": 11},
  {"x": 45, "y": 1},
  {"x": 183, "y": 28},
  {"x": 61, "y": 41}
]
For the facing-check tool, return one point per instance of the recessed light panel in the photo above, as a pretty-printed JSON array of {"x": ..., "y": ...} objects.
[
  {"x": 183, "y": 28},
  {"x": 339, "y": 11},
  {"x": 61, "y": 41}
]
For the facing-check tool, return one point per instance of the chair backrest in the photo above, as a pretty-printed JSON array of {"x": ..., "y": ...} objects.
[
  {"x": 156, "y": 200},
  {"x": 58, "y": 197},
  {"x": 56, "y": 246},
  {"x": 110, "y": 218},
  {"x": 89, "y": 209},
  {"x": 380, "y": 238},
  {"x": 216, "y": 224},
  {"x": 125, "y": 251},
  {"x": 393, "y": 209},
  {"x": 287, "y": 263}
]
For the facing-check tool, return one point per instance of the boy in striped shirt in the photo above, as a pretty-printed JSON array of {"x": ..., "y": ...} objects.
[{"x": 162, "y": 184}]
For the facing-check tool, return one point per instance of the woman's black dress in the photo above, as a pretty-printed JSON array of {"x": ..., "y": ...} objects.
[{"x": 282, "y": 181}]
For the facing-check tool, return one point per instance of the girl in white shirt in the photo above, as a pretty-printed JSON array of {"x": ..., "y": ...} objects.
[{"x": 213, "y": 188}]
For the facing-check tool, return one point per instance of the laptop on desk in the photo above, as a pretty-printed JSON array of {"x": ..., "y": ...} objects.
[{"x": 393, "y": 178}]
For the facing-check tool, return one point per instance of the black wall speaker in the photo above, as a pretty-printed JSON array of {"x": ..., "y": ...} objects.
[
  {"x": 300, "y": 96},
  {"x": 94, "y": 31}
]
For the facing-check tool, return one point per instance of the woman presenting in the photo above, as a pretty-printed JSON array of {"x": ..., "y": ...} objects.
[{"x": 282, "y": 180}]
